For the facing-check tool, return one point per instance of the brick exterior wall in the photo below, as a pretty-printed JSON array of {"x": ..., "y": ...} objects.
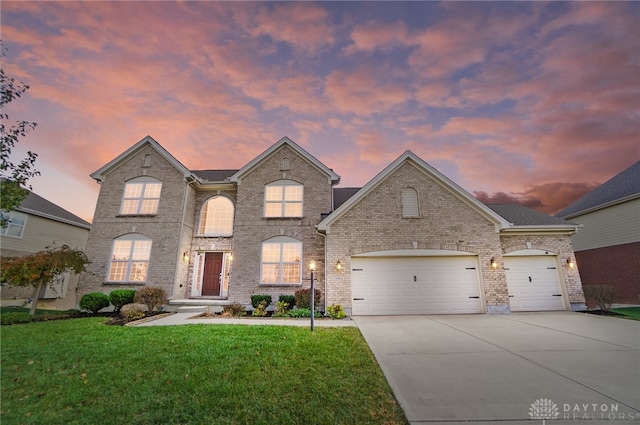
[
  {"x": 446, "y": 222},
  {"x": 163, "y": 229},
  {"x": 251, "y": 229},
  {"x": 618, "y": 266}
]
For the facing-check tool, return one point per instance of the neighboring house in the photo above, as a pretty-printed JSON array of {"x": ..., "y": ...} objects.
[
  {"x": 608, "y": 247},
  {"x": 34, "y": 226},
  {"x": 409, "y": 242}
]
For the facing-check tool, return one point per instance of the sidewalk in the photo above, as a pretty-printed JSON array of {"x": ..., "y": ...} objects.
[{"x": 192, "y": 318}]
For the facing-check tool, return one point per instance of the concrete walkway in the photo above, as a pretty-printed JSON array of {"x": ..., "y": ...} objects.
[
  {"x": 496, "y": 369},
  {"x": 192, "y": 318}
]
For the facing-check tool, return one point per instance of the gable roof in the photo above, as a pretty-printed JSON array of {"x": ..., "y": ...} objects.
[
  {"x": 620, "y": 188},
  {"x": 214, "y": 175},
  {"x": 342, "y": 194},
  {"x": 100, "y": 174},
  {"x": 282, "y": 142},
  {"x": 36, "y": 205},
  {"x": 410, "y": 157},
  {"x": 520, "y": 215}
]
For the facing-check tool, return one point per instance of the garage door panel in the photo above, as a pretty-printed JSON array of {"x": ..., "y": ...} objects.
[
  {"x": 417, "y": 285},
  {"x": 533, "y": 283}
]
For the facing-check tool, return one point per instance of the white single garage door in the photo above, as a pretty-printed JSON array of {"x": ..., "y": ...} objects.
[
  {"x": 533, "y": 283},
  {"x": 414, "y": 285}
]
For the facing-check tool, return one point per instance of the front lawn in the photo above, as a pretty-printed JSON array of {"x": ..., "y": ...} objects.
[
  {"x": 14, "y": 314},
  {"x": 628, "y": 312},
  {"x": 81, "y": 371}
]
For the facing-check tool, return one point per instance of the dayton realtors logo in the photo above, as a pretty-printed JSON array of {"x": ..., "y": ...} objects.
[{"x": 545, "y": 408}]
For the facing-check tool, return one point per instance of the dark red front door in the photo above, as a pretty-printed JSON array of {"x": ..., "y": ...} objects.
[{"x": 211, "y": 275}]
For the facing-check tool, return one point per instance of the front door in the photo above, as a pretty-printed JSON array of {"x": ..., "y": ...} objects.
[{"x": 212, "y": 273}]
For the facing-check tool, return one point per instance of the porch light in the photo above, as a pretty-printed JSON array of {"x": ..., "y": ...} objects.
[
  {"x": 494, "y": 263},
  {"x": 185, "y": 256},
  {"x": 570, "y": 263},
  {"x": 230, "y": 257},
  {"x": 339, "y": 266}
]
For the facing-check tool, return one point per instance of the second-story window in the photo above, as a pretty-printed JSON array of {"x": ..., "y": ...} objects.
[
  {"x": 283, "y": 198},
  {"x": 216, "y": 217},
  {"x": 141, "y": 196}
]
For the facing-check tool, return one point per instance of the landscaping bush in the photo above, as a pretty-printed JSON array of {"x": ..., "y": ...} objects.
[
  {"x": 256, "y": 299},
  {"x": 281, "y": 309},
  {"x": 260, "y": 310},
  {"x": 303, "y": 297},
  {"x": 234, "y": 309},
  {"x": 302, "y": 312},
  {"x": 289, "y": 299},
  {"x": 132, "y": 314},
  {"x": 602, "y": 295},
  {"x": 94, "y": 301},
  {"x": 336, "y": 312},
  {"x": 120, "y": 297},
  {"x": 151, "y": 297}
]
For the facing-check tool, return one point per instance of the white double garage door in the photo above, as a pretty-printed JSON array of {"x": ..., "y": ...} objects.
[{"x": 448, "y": 285}]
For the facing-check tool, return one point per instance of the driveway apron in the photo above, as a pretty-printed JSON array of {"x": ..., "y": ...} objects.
[{"x": 564, "y": 366}]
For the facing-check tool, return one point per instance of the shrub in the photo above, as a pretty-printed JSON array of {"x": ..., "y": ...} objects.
[
  {"x": 256, "y": 299},
  {"x": 132, "y": 314},
  {"x": 302, "y": 312},
  {"x": 281, "y": 309},
  {"x": 289, "y": 299},
  {"x": 94, "y": 301},
  {"x": 13, "y": 318},
  {"x": 602, "y": 295},
  {"x": 234, "y": 309},
  {"x": 120, "y": 297},
  {"x": 150, "y": 296},
  {"x": 303, "y": 297},
  {"x": 336, "y": 312},
  {"x": 260, "y": 310}
]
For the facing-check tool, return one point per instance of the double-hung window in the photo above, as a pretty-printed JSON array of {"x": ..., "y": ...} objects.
[
  {"x": 141, "y": 196},
  {"x": 281, "y": 261},
  {"x": 283, "y": 198},
  {"x": 15, "y": 224},
  {"x": 130, "y": 259}
]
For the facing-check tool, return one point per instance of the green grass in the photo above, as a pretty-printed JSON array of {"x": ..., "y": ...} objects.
[
  {"x": 81, "y": 371},
  {"x": 14, "y": 314},
  {"x": 628, "y": 312}
]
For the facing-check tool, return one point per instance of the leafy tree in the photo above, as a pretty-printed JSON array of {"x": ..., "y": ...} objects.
[
  {"x": 42, "y": 268},
  {"x": 13, "y": 177}
]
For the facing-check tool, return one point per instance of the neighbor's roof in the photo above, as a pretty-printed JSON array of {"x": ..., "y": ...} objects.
[
  {"x": 622, "y": 187},
  {"x": 37, "y": 205},
  {"x": 522, "y": 216}
]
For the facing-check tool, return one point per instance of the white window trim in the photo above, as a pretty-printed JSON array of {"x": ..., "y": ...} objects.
[
  {"x": 233, "y": 213},
  {"x": 4, "y": 229},
  {"x": 283, "y": 202},
  {"x": 144, "y": 181},
  {"x": 132, "y": 238},
  {"x": 281, "y": 240}
]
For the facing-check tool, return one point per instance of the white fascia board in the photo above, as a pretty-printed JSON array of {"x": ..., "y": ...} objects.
[
  {"x": 54, "y": 218},
  {"x": 551, "y": 229},
  {"x": 334, "y": 178},
  {"x": 445, "y": 182},
  {"x": 101, "y": 173},
  {"x": 602, "y": 206}
]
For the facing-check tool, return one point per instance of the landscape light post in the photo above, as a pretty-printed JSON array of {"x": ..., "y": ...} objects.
[{"x": 312, "y": 268}]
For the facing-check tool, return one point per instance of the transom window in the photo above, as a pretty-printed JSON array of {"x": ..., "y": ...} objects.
[
  {"x": 281, "y": 261},
  {"x": 283, "y": 199},
  {"x": 141, "y": 196},
  {"x": 15, "y": 224},
  {"x": 410, "y": 203},
  {"x": 216, "y": 217},
  {"x": 130, "y": 259}
]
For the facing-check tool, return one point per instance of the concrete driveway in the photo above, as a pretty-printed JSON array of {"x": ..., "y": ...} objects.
[{"x": 510, "y": 369}]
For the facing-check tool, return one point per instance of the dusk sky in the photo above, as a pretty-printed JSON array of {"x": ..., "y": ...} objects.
[{"x": 526, "y": 102}]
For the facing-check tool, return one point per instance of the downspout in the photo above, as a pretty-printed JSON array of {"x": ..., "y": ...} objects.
[
  {"x": 182, "y": 224},
  {"x": 325, "y": 267}
]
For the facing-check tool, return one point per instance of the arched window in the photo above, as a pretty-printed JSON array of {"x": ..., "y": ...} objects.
[
  {"x": 141, "y": 196},
  {"x": 410, "y": 203},
  {"x": 130, "y": 258},
  {"x": 216, "y": 217},
  {"x": 283, "y": 198},
  {"x": 281, "y": 260}
]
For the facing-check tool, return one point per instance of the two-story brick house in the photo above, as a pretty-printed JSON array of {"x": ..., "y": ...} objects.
[{"x": 409, "y": 242}]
